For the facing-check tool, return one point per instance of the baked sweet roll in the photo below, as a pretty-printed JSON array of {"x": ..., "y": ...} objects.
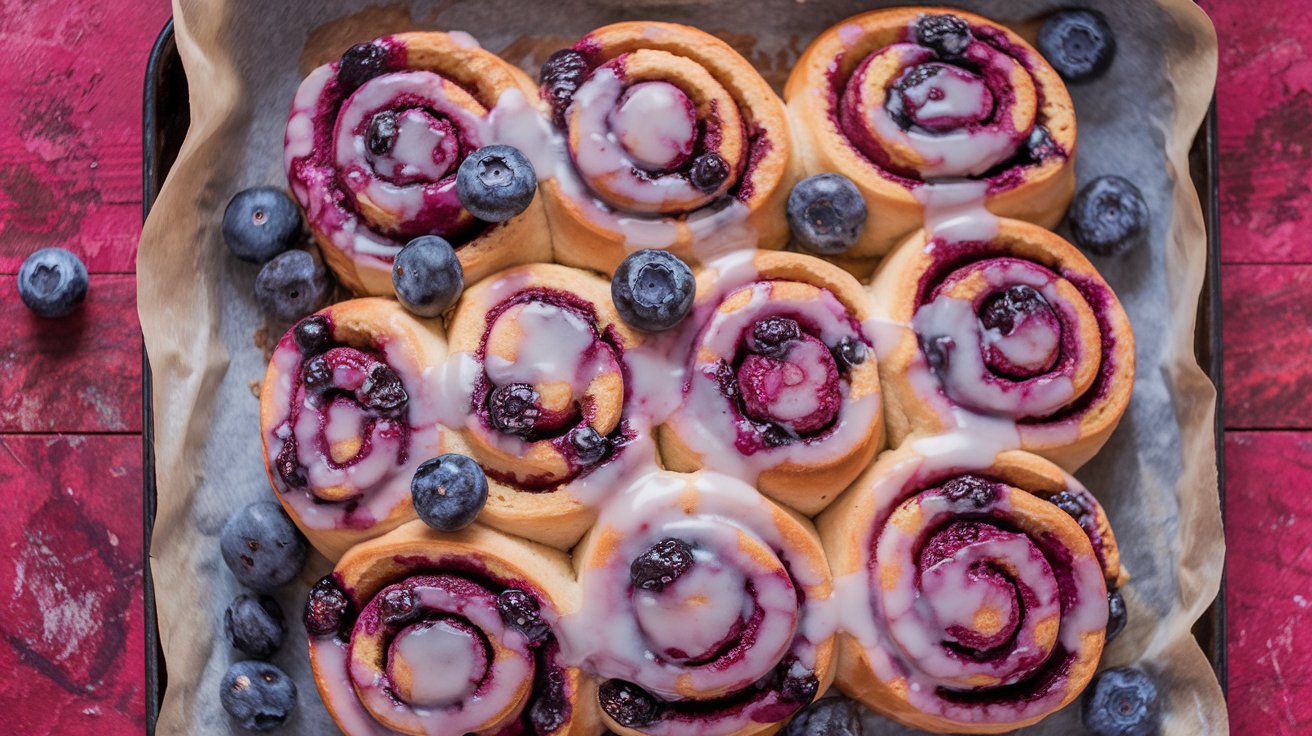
[
  {"x": 537, "y": 393},
  {"x": 975, "y": 593},
  {"x": 896, "y": 98},
  {"x": 705, "y": 609},
  {"x": 782, "y": 388},
  {"x": 345, "y": 418},
  {"x": 673, "y": 141},
  {"x": 373, "y": 144},
  {"x": 445, "y": 634},
  {"x": 1020, "y": 327}
]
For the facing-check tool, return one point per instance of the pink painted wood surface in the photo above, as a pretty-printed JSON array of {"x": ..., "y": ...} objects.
[{"x": 70, "y": 116}]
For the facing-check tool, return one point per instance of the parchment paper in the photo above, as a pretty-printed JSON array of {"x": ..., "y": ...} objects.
[{"x": 205, "y": 338}]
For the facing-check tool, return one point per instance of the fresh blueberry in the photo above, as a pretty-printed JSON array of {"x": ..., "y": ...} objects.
[
  {"x": 773, "y": 336},
  {"x": 560, "y": 78},
  {"x": 1078, "y": 43},
  {"x": 52, "y": 282},
  {"x": 381, "y": 136},
  {"x": 836, "y": 716},
  {"x": 708, "y": 172},
  {"x": 313, "y": 335},
  {"x": 1117, "y": 616},
  {"x": 495, "y": 183},
  {"x": 662, "y": 564},
  {"x": 398, "y": 606},
  {"x": 362, "y": 62},
  {"x": 589, "y": 445},
  {"x": 628, "y": 704},
  {"x": 947, "y": 34},
  {"x": 1109, "y": 216},
  {"x": 382, "y": 390},
  {"x": 850, "y": 353},
  {"x": 652, "y": 290},
  {"x": 970, "y": 489},
  {"x": 523, "y": 612},
  {"x": 262, "y": 547},
  {"x": 327, "y": 609},
  {"x": 291, "y": 285},
  {"x": 1122, "y": 701},
  {"x": 513, "y": 409},
  {"x": 260, "y": 223},
  {"x": 255, "y": 625},
  {"x": 449, "y": 491},
  {"x": 428, "y": 276},
  {"x": 826, "y": 213},
  {"x": 258, "y": 695}
]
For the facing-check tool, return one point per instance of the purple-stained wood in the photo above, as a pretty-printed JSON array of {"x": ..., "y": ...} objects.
[
  {"x": 73, "y": 651},
  {"x": 81, "y": 373}
]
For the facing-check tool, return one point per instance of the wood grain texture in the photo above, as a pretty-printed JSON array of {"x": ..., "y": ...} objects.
[
  {"x": 73, "y": 651},
  {"x": 77, "y": 374},
  {"x": 1268, "y": 346},
  {"x": 1268, "y": 510}
]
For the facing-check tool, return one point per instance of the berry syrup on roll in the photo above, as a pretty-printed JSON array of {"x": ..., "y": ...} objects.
[
  {"x": 537, "y": 392},
  {"x": 346, "y": 419},
  {"x": 902, "y": 98},
  {"x": 705, "y": 609},
  {"x": 373, "y": 146}
]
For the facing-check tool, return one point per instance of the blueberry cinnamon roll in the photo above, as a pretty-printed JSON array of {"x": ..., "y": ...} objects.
[
  {"x": 976, "y": 592},
  {"x": 672, "y": 140},
  {"x": 538, "y": 394},
  {"x": 420, "y": 632},
  {"x": 373, "y": 144},
  {"x": 704, "y": 609},
  {"x": 896, "y": 98},
  {"x": 345, "y": 419},
  {"x": 1020, "y": 328},
  {"x": 781, "y": 388}
]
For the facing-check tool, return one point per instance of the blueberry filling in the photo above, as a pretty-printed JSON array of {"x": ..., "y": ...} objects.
[
  {"x": 313, "y": 335},
  {"x": 361, "y": 63},
  {"x": 948, "y": 35},
  {"x": 513, "y": 409},
  {"x": 381, "y": 136},
  {"x": 589, "y": 445},
  {"x": 560, "y": 78},
  {"x": 849, "y": 353},
  {"x": 398, "y": 607},
  {"x": 662, "y": 564},
  {"x": 382, "y": 390},
  {"x": 773, "y": 336},
  {"x": 327, "y": 609},
  {"x": 522, "y": 611},
  {"x": 708, "y": 172},
  {"x": 972, "y": 490},
  {"x": 800, "y": 689},
  {"x": 1074, "y": 504},
  {"x": 628, "y": 704},
  {"x": 1022, "y": 311}
]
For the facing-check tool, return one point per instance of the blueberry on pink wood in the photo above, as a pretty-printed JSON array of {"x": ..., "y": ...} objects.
[
  {"x": 52, "y": 282},
  {"x": 662, "y": 564}
]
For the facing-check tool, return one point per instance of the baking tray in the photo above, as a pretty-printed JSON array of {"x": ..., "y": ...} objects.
[{"x": 166, "y": 118}]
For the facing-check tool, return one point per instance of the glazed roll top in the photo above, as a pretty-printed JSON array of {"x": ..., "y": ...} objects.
[
  {"x": 896, "y": 98},
  {"x": 705, "y": 609},
  {"x": 537, "y": 390},
  {"x": 373, "y": 145},
  {"x": 1019, "y": 327},
  {"x": 975, "y": 598},
  {"x": 346, "y": 418},
  {"x": 673, "y": 141},
  {"x": 782, "y": 388},
  {"x": 418, "y": 632}
]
